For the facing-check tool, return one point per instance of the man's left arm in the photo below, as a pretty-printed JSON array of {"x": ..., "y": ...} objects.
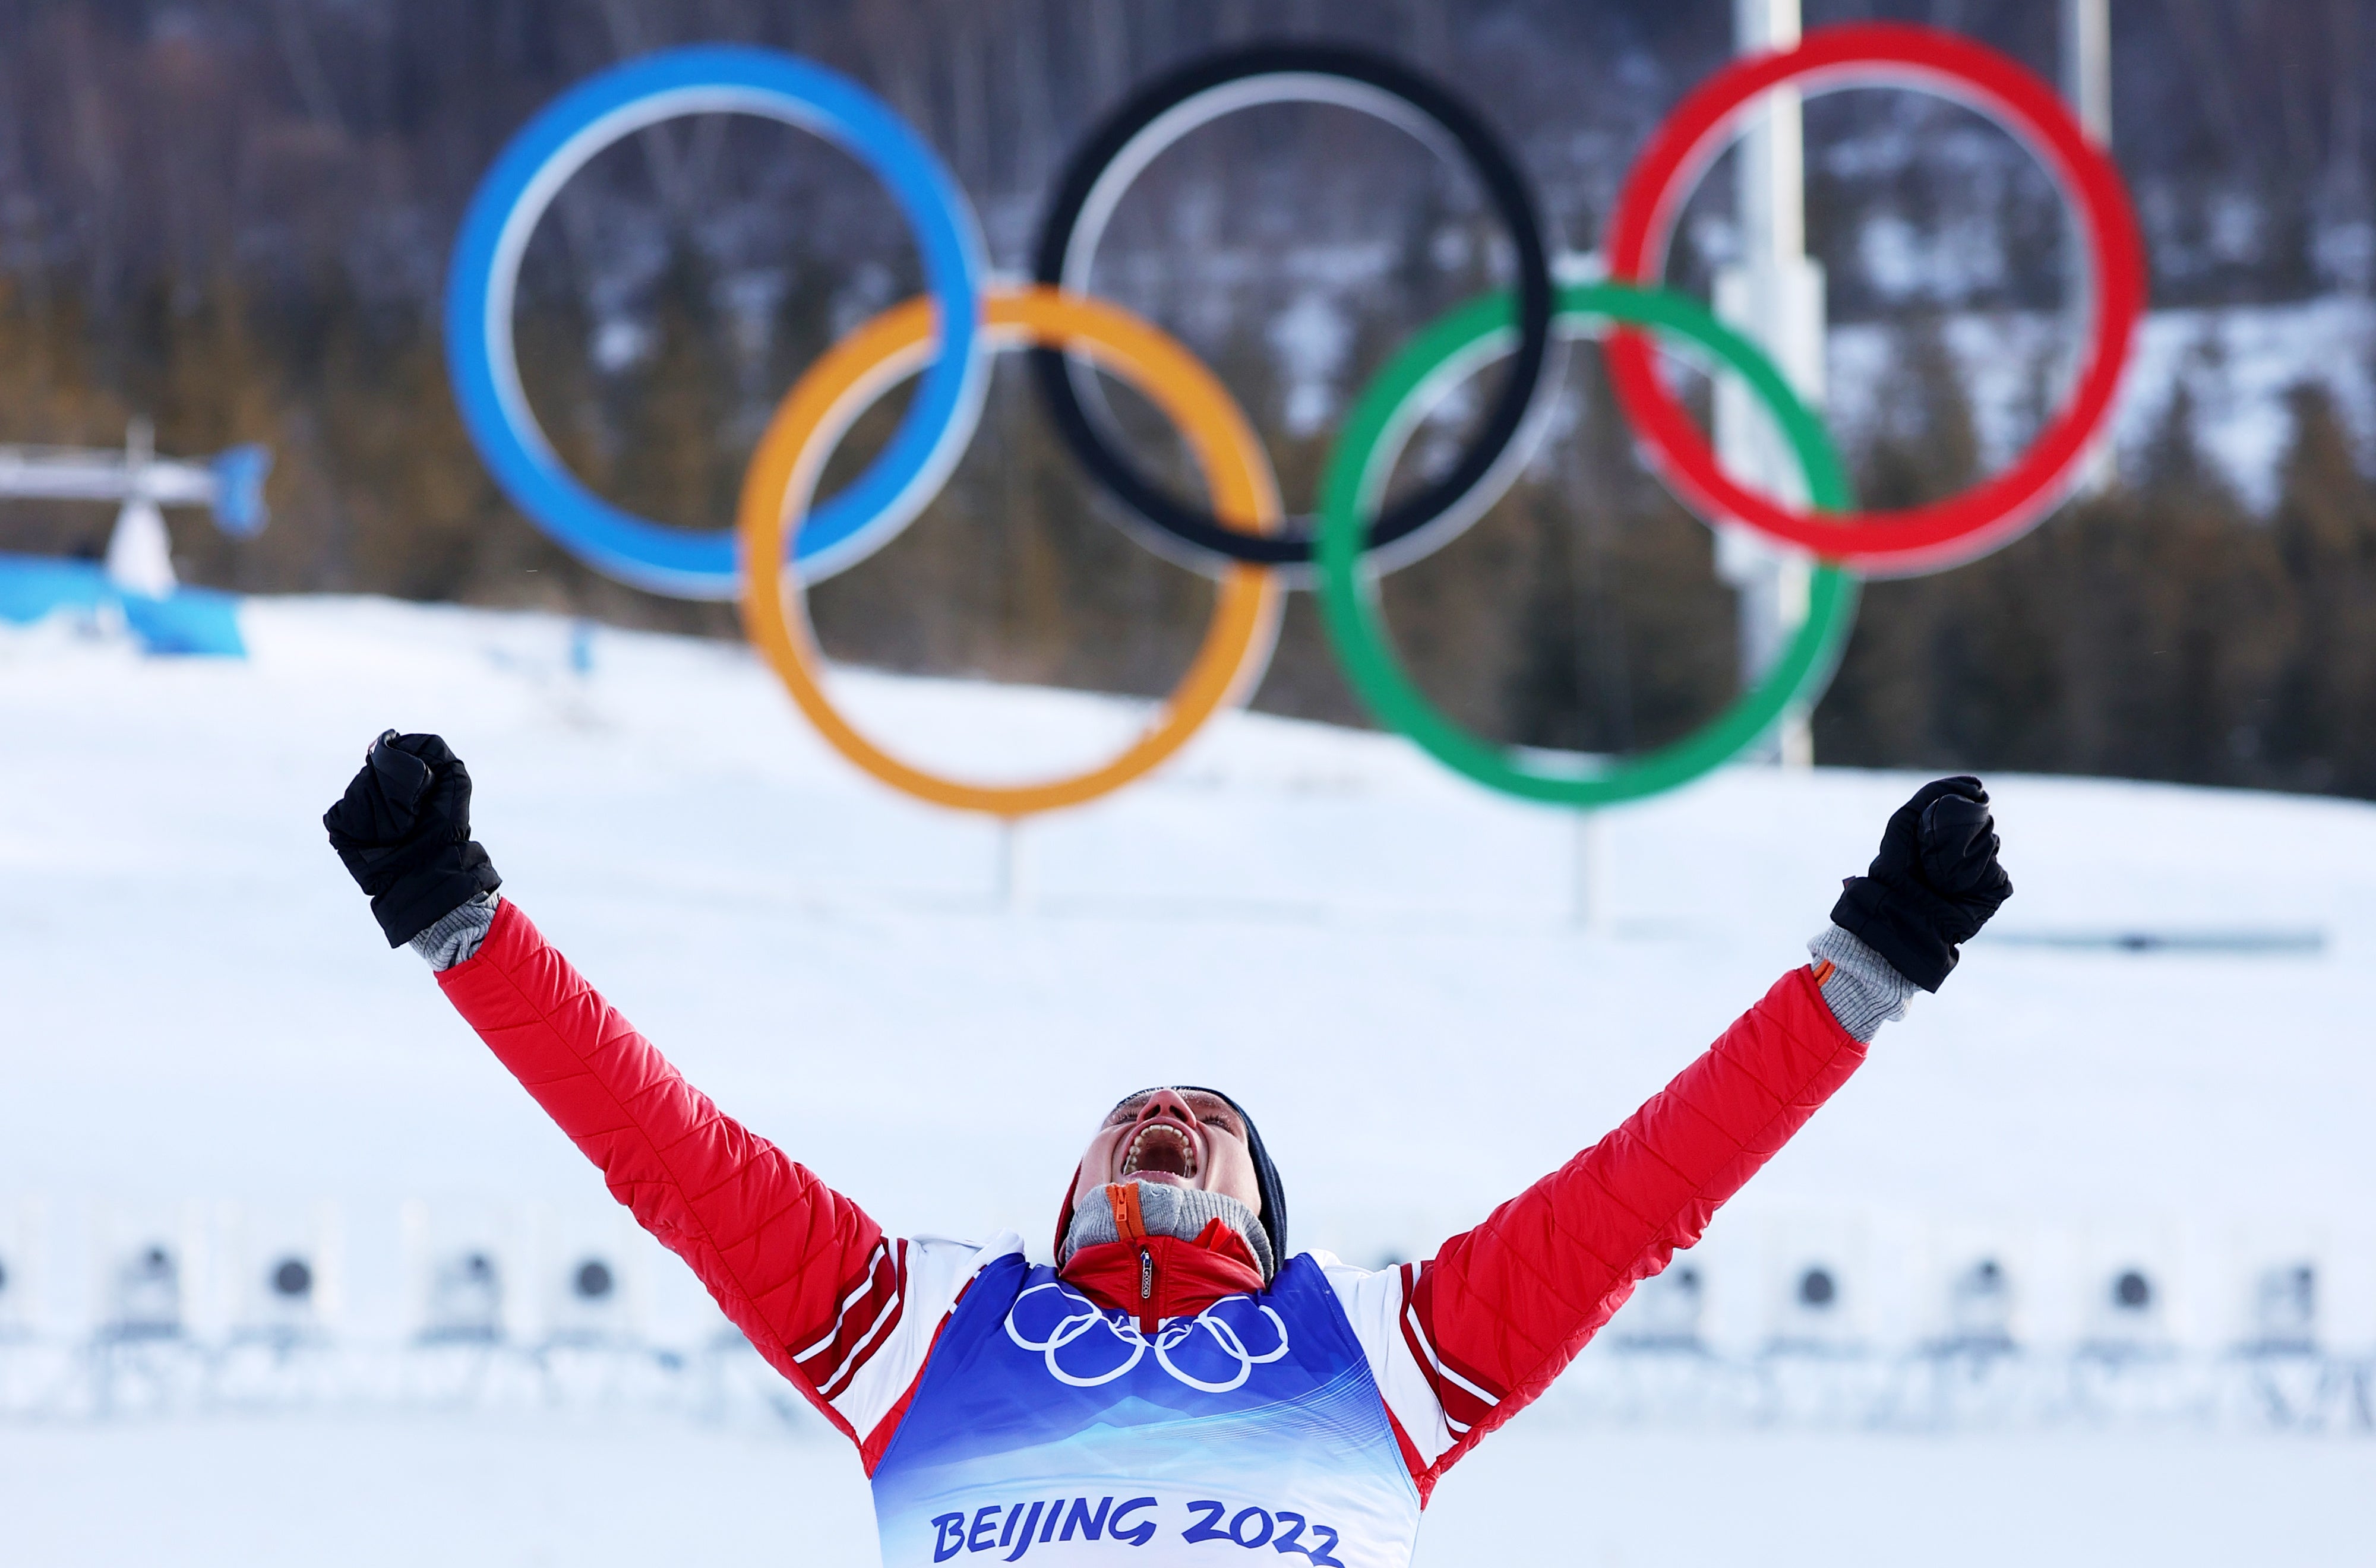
[{"x": 1464, "y": 1341}]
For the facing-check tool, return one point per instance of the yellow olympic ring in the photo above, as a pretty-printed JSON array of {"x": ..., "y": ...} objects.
[{"x": 818, "y": 411}]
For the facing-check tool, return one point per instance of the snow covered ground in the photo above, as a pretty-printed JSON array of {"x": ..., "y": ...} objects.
[
  {"x": 397, "y": 1493},
  {"x": 1428, "y": 995}
]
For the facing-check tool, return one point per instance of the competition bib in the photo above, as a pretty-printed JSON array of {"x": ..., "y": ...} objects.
[{"x": 1048, "y": 1430}]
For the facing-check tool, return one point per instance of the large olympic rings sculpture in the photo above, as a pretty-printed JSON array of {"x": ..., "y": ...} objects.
[{"x": 784, "y": 539}]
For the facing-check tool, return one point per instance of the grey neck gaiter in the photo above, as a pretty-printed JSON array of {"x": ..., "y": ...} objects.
[{"x": 1166, "y": 1211}]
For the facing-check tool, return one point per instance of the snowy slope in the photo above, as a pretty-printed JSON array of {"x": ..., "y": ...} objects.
[{"x": 1386, "y": 964}]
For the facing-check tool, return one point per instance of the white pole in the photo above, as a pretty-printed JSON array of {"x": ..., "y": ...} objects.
[
  {"x": 140, "y": 552},
  {"x": 1590, "y": 869},
  {"x": 1775, "y": 293},
  {"x": 2088, "y": 65},
  {"x": 1012, "y": 889},
  {"x": 2088, "y": 86}
]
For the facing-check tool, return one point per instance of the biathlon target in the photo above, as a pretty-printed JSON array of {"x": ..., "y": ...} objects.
[
  {"x": 1165, "y": 111},
  {"x": 482, "y": 283},
  {"x": 780, "y": 544}
]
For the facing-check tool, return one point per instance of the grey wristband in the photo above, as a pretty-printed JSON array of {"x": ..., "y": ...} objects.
[
  {"x": 1858, "y": 984},
  {"x": 458, "y": 935}
]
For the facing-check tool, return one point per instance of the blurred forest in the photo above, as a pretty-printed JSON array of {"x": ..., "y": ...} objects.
[{"x": 233, "y": 216}]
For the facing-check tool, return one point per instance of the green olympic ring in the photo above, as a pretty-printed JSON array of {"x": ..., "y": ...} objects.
[{"x": 1446, "y": 352}]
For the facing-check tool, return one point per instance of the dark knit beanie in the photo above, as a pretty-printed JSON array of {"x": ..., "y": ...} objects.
[{"x": 1273, "y": 1213}]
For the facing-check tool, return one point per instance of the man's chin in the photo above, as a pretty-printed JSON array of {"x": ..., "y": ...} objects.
[{"x": 1161, "y": 1178}]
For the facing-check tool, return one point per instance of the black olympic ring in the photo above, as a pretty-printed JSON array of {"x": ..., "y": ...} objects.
[{"x": 1172, "y": 106}]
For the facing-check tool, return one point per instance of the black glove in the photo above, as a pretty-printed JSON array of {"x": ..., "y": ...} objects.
[
  {"x": 403, "y": 827},
  {"x": 1934, "y": 883}
]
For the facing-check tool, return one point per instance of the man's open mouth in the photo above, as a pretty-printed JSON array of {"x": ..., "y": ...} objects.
[{"x": 1161, "y": 1149}]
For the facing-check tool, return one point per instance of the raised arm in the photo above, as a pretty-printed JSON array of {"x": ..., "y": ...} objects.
[
  {"x": 798, "y": 1268},
  {"x": 1500, "y": 1310},
  {"x": 1481, "y": 1330}
]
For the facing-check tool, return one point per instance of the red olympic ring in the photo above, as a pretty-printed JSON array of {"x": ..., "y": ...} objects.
[{"x": 1989, "y": 513}]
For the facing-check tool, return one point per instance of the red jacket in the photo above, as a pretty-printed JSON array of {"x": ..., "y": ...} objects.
[{"x": 1460, "y": 1343}]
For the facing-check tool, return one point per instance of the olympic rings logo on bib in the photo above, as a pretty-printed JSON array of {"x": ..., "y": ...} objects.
[
  {"x": 1242, "y": 534},
  {"x": 1187, "y": 1335}
]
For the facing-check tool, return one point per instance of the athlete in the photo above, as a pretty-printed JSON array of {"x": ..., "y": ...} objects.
[{"x": 1179, "y": 1383}]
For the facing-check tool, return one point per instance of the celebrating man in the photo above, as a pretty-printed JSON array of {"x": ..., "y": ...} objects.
[{"x": 1179, "y": 1379}]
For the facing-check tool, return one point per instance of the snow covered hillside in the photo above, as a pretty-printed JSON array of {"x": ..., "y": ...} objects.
[
  {"x": 1428, "y": 995},
  {"x": 2235, "y": 364}
]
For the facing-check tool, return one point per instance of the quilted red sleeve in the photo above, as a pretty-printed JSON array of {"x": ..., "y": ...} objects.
[
  {"x": 1501, "y": 1310},
  {"x": 798, "y": 1267}
]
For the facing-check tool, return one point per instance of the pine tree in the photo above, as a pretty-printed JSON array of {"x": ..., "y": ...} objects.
[
  {"x": 2321, "y": 729},
  {"x": 1908, "y": 661},
  {"x": 51, "y": 391}
]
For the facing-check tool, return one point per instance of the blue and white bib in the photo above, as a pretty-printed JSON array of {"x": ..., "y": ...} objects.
[{"x": 1047, "y": 1430}]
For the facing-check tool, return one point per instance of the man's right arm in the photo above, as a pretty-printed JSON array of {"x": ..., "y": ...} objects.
[
  {"x": 798, "y": 1268},
  {"x": 842, "y": 1311}
]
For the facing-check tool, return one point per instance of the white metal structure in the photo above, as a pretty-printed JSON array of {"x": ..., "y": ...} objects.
[
  {"x": 140, "y": 560},
  {"x": 1774, "y": 293},
  {"x": 2087, "y": 84}
]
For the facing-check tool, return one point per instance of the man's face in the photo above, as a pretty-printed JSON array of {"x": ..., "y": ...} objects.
[{"x": 1179, "y": 1137}]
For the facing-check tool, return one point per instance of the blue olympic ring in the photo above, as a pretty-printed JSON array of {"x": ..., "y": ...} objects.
[{"x": 481, "y": 285}]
